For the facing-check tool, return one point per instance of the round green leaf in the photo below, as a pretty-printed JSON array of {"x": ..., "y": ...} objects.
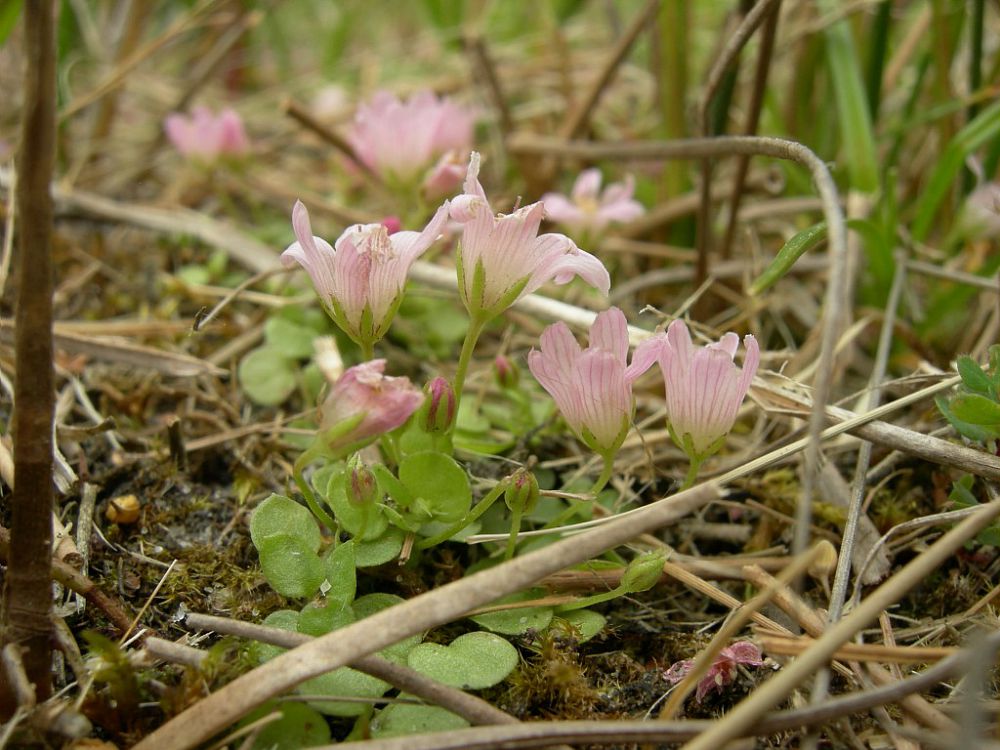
[
  {"x": 289, "y": 339},
  {"x": 321, "y": 617},
  {"x": 284, "y": 619},
  {"x": 472, "y": 661},
  {"x": 368, "y": 554},
  {"x": 516, "y": 621},
  {"x": 290, "y": 566},
  {"x": 280, "y": 515},
  {"x": 439, "y": 481},
  {"x": 299, "y": 726},
  {"x": 976, "y": 409},
  {"x": 341, "y": 574},
  {"x": 585, "y": 622},
  {"x": 343, "y": 682},
  {"x": 400, "y": 720},
  {"x": 266, "y": 376}
]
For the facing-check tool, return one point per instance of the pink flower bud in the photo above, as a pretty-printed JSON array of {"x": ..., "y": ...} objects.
[
  {"x": 392, "y": 224},
  {"x": 438, "y": 414},
  {"x": 362, "y": 487},
  {"x": 522, "y": 491},
  {"x": 508, "y": 374},
  {"x": 207, "y": 137}
]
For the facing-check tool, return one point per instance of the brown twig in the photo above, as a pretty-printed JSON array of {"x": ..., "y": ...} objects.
[
  {"x": 476, "y": 47},
  {"x": 27, "y": 601},
  {"x": 301, "y": 115}
]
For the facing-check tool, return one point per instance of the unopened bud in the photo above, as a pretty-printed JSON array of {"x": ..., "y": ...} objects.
[
  {"x": 438, "y": 411},
  {"x": 522, "y": 491},
  {"x": 507, "y": 373},
  {"x": 361, "y": 486},
  {"x": 644, "y": 571}
]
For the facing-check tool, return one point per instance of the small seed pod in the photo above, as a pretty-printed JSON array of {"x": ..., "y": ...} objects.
[
  {"x": 506, "y": 372},
  {"x": 123, "y": 510},
  {"x": 438, "y": 412}
]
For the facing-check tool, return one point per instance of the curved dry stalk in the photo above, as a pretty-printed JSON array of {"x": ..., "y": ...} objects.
[{"x": 214, "y": 713}]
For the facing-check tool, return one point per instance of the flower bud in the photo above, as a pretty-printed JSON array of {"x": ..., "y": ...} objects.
[
  {"x": 644, "y": 571},
  {"x": 438, "y": 412},
  {"x": 522, "y": 491},
  {"x": 508, "y": 374},
  {"x": 361, "y": 486}
]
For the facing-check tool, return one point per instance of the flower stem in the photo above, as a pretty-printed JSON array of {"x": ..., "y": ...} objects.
[
  {"x": 692, "y": 475},
  {"x": 515, "y": 528},
  {"x": 465, "y": 358},
  {"x": 314, "y": 505},
  {"x": 367, "y": 350},
  {"x": 587, "y": 601},
  {"x": 602, "y": 480},
  {"x": 481, "y": 507}
]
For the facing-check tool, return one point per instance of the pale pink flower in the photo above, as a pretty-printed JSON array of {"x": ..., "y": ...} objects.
[
  {"x": 205, "y": 136},
  {"x": 593, "y": 386},
  {"x": 401, "y": 140},
  {"x": 704, "y": 387},
  {"x": 360, "y": 281},
  {"x": 980, "y": 215},
  {"x": 723, "y": 669},
  {"x": 502, "y": 257},
  {"x": 380, "y": 403},
  {"x": 587, "y": 208}
]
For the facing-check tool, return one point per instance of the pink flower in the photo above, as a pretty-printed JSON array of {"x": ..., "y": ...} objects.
[
  {"x": 368, "y": 402},
  {"x": 360, "y": 281},
  {"x": 980, "y": 214},
  {"x": 502, "y": 258},
  {"x": 593, "y": 386},
  {"x": 400, "y": 141},
  {"x": 704, "y": 387},
  {"x": 206, "y": 137},
  {"x": 723, "y": 669},
  {"x": 587, "y": 208}
]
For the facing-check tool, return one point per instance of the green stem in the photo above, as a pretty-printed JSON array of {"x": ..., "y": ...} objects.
[
  {"x": 692, "y": 475},
  {"x": 367, "y": 351},
  {"x": 515, "y": 528},
  {"x": 481, "y": 507},
  {"x": 314, "y": 505},
  {"x": 465, "y": 358},
  {"x": 572, "y": 510},
  {"x": 587, "y": 601}
]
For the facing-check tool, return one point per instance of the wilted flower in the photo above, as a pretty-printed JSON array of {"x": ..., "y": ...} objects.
[
  {"x": 401, "y": 140},
  {"x": 522, "y": 491},
  {"x": 205, "y": 136},
  {"x": 360, "y": 283},
  {"x": 368, "y": 403},
  {"x": 593, "y": 386},
  {"x": 589, "y": 209},
  {"x": 704, "y": 387},
  {"x": 502, "y": 258},
  {"x": 723, "y": 669}
]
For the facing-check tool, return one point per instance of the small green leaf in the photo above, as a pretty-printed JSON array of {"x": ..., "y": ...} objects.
[
  {"x": 973, "y": 376},
  {"x": 368, "y": 605},
  {"x": 299, "y": 726},
  {"x": 284, "y": 619},
  {"x": 267, "y": 376},
  {"x": 472, "y": 661},
  {"x": 343, "y": 682},
  {"x": 403, "y": 720},
  {"x": 976, "y": 409},
  {"x": 441, "y": 482},
  {"x": 973, "y": 432},
  {"x": 516, "y": 621},
  {"x": 792, "y": 250},
  {"x": 392, "y": 486},
  {"x": 281, "y": 515},
  {"x": 324, "y": 616},
  {"x": 369, "y": 553},
  {"x": 289, "y": 339},
  {"x": 290, "y": 566},
  {"x": 586, "y": 623},
  {"x": 341, "y": 573}
]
